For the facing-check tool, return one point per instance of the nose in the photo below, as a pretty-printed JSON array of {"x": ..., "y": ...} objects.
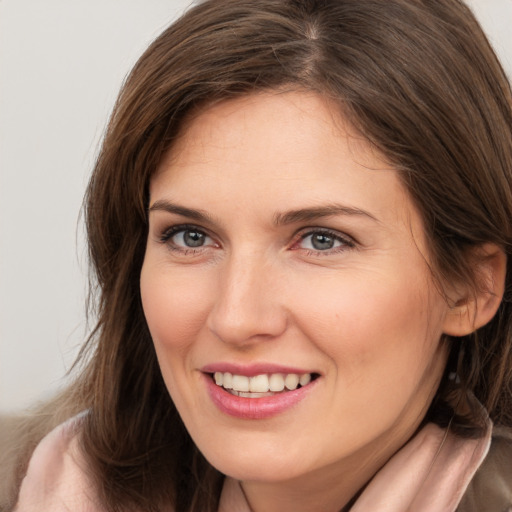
[{"x": 248, "y": 303}]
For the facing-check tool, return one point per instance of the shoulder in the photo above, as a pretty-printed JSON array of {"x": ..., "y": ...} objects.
[
  {"x": 491, "y": 487},
  {"x": 57, "y": 476}
]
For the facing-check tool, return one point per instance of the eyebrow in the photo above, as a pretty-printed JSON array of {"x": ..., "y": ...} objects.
[
  {"x": 280, "y": 218},
  {"x": 167, "y": 206},
  {"x": 310, "y": 214}
]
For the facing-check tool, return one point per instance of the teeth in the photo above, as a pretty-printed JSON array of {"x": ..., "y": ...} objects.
[
  {"x": 260, "y": 385},
  {"x": 276, "y": 382},
  {"x": 292, "y": 381},
  {"x": 303, "y": 381},
  {"x": 228, "y": 381},
  {"x": 240, "y": 383},
  {"x": 250, "y": 395}
]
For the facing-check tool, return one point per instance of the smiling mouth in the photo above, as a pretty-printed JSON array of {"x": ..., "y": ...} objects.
[{"x": 262, "y": 385}]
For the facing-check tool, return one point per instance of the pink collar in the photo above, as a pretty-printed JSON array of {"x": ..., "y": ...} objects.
[{"x": 429, "y": 474}]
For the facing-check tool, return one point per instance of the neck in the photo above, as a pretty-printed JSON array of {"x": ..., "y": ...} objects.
[
  {"x": 267, "y": 499},
  {"x": 333, "y": 489}
]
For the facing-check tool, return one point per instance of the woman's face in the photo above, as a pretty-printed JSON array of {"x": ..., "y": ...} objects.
[{"x": 282, "y": 251}]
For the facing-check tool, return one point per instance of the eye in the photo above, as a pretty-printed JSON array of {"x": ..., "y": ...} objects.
[
  {"x": 190, "y": 238},
  {"x": 324, "y": 241},
  {"x": 320, "y": 242},
  {"x": 186, "y": 238}
]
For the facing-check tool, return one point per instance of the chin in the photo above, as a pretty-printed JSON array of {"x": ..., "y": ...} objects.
[
  {"x": 255, "y": 471},
  {"x": 264, "y": 462}
]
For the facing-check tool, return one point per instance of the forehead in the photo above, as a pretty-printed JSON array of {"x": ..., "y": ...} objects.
[{"x": 290, "y": 150}]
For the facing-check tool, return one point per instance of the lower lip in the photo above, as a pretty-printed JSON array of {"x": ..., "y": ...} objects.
[{"x": 255, "y": 408}]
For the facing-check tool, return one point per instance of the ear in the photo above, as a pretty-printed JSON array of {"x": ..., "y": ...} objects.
[{"x": 473, "y": 309}]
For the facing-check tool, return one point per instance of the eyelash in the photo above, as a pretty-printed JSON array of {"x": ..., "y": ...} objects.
[
  {"x": 345, "y": 242},
  {"x": 167, "y": 234}
]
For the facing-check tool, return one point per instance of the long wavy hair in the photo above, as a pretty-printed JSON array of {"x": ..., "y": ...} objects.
[{"x": 417, "y": 78}]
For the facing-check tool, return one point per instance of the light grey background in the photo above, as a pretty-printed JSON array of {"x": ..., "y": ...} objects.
[{"x": 61, "y": 65}]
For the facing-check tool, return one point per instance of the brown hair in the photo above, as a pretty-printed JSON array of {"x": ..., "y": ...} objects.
[{"x": 417, "y": 78}]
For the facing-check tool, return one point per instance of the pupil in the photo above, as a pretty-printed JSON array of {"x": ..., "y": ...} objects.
[
  {"x": 322, "y": 242},
  {"x": 193, "y": 239}
]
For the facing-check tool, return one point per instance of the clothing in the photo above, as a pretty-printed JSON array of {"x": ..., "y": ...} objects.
[
  {"x": 433, "y": 472},
  {"x": 56, "y": 478},
  {"x": 429, "y": 474},
  {"x": 491, "y": 488}
]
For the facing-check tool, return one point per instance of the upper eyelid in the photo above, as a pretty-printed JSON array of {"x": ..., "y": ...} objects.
[
  {"x": 305, "y": 232},
  {"x": 162, "y": 216},
  {"x": 334, "y": 232},
  {"x": 176, "y": 228}
]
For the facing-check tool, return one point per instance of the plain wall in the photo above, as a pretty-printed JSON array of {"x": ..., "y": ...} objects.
[{"x": 61, "y": 65}]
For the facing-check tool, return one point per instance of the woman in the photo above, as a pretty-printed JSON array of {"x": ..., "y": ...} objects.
[{"x": 300, "y": 223}]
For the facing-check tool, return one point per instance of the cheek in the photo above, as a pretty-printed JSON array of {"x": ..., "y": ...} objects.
[
  {"x": 375, "y": 329},
  {"x": 383, "y": 344},
  {"x": 175, "y": 307},
  {"x": 175, "y": 310}
]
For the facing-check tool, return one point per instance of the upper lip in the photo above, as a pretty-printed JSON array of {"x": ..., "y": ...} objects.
[{"x": 253, "y": 369}]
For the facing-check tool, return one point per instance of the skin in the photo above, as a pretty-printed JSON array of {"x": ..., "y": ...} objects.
[{"x": 364, "y": 314}]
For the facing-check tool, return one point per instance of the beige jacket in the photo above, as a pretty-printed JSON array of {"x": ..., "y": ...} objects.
[{"x": 491, "y": 488}]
